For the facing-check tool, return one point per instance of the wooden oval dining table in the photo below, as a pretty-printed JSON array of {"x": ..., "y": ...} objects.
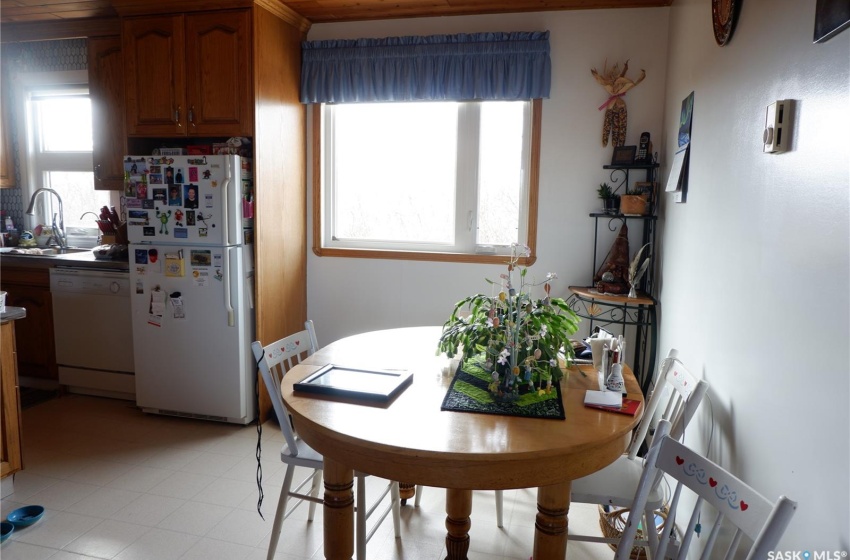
[{"x": 410, "y": 439}]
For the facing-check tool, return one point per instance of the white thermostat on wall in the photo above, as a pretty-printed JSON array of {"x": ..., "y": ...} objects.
[{"x": 777, "y": 127}]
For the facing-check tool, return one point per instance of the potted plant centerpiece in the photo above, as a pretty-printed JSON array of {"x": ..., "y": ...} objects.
[{"x": 515, "y": 337}]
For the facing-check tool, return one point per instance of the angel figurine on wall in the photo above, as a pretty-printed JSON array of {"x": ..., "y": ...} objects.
[{"x": 616, "y": 84}]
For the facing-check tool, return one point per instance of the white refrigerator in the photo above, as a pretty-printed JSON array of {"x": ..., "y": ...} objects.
[{"x": 190, "y": 227}]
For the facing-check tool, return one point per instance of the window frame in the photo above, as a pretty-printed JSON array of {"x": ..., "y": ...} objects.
[
  {"x": 436, "y": 256},
  {"x": 32, "y": 158}
]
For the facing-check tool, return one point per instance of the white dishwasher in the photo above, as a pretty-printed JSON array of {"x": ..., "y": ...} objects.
[{"x": 92, "y": 330}]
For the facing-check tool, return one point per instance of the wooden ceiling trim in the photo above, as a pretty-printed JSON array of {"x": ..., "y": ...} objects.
[
  {"x": 50, "y": 30},
  {"x": 295, "y": 11}
]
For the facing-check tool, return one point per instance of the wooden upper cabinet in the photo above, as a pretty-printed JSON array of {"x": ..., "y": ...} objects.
[
  {"x": 218, "y": 66},
  {"x": 189, "y": 75},
  {"x": 7, "y": 161},
  {"x": 154, "y": 76},
  {"x": 106, "y": 90}
]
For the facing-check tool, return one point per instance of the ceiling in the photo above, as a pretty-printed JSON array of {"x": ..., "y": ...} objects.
[{"x": 325, "y": 11}]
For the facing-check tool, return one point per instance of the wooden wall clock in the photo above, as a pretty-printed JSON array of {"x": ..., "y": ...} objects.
[{"x": 724, "y": 13}]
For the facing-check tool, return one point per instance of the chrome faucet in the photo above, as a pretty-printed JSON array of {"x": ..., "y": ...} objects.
[{"x": 60, "y": 236}]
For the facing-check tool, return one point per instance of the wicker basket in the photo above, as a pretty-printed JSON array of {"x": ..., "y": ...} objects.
[
  {"x": 613, "y": 523},
  {"x": 634, "y": 204}
]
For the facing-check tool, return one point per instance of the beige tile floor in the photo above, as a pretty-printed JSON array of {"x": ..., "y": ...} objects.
[{"x": 120, "y": 484}]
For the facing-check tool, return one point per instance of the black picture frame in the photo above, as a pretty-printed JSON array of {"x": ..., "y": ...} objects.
[
  {"x": 358, "y": 383},
  {"x": 623, "y": 155},
  {"x": 831, "y": 18}
]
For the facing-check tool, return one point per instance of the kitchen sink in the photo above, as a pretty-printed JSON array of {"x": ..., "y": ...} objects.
[{"x": 41, "y": 251}]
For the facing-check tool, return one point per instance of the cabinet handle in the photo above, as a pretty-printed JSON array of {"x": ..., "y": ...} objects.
[
  {"x": 97, "y": 176},
  {"x": 177, "y": 116},
  {"x": 192, "y": 115}
]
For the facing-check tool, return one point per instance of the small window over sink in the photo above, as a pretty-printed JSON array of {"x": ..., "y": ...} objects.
[{"x": 57, "y": 152}]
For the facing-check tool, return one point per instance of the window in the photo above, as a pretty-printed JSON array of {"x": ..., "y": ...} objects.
[
  {"x": 58, "y": 140},
  {"x": 449, "y": 181}
]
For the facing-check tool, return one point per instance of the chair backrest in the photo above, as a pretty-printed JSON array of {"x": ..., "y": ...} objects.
[
  {"x": 277, "y": 358},
  {"x": 684, "y": 394},
  {"x": 735, "y": 501}
]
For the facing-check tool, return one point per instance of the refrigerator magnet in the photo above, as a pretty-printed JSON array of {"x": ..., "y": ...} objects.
[
  {"x": 181, "y": 233},
  {"x": 200, "y": 257},
  {"x": 174, "y": 265},
  {"x": 218, "y": 275},
  {"x": 174, "y": 196},
  {"x": 193, "y": 174},
  {"x": 208, "y": 200},
  {"x": 177, "y": 309},
  {"x": 155, "y": 178},
  {"x": 159, "y": 195},
  {"x": 147, "y": 204},
  {"x": 163, "y": 220},
  {"x": 132, "y": 202},
  {"x": 178, "y": 220},
  {"x": 169, "y": 175},
  {"x": 207, "y": 174},
  {"x": 202, "y": 232},
  {"x": 141, "y": 256},
  {"x": 149, "y": 231},
  {"x": 200, "y": 278},
  {"x": 140, "y": 287},
  {"x": 190, "y": 217},
  {"x": 190, "y": 196}
]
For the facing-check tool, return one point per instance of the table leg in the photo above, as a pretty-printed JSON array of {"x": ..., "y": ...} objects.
[
  {"x": 458, "y": 508},
  {"x": 550, "y": 535},
  {"x": 338, "y": 511}
]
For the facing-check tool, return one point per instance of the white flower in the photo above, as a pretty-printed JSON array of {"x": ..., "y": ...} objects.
[
  {"x": 543, "y": 330},
  {"x": 551, "y": 276},
  {"x": 553, "y": 362},
  {"x": 503, "y": 356}
]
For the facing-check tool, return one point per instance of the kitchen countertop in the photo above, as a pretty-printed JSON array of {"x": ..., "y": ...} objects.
[
  {"x": 83, "y": 259},
  {"x": 13, "y": 313}
]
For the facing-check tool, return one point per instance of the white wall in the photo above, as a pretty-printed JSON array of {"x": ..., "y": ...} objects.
[
  {"x": 347, "y": 296},
  {"x": 754, "y": 274},
  {"x": 754, "y": 286}
]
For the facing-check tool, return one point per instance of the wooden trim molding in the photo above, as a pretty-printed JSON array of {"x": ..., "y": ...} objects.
[
  {"x": 49, "y": 30},
  {"x": 533, "y": 197}
]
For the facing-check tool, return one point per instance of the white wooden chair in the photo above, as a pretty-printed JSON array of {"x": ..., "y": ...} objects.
[
  {"x": 615, "y": 485},
  {"x": 735, "y": 502},
  {"x": 274, "y": 360}
]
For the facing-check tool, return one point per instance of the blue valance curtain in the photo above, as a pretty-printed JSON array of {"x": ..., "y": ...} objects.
[{"x": 481, "y": 66}]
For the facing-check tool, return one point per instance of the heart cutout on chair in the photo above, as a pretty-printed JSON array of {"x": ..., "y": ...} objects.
[
  {"x": 679, "y": 460},
  {"x": 744, "y": 505},
  {"x": 712, "y": 482}
]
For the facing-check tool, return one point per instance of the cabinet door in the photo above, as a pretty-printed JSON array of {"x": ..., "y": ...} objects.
[
  {"x": 218, "y": 66},
  {"x": 106, "y": 90},
  {"x": 155, "y": 76},
  {"x": 30, "y": 289},
  {"x": 7, "y": 160},
  {"x": 10, "y": 413}
]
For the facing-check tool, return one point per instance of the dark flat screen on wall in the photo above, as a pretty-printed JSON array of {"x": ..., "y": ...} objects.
[{"x": 831, "y": 17}]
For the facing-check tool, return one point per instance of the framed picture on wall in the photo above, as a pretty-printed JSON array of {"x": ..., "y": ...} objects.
[
  {"x": 831, "y": 18},
  {"x": 623, "y": 155}
]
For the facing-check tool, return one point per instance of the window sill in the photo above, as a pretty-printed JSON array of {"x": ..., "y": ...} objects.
[{"x": 421, "y": 256}]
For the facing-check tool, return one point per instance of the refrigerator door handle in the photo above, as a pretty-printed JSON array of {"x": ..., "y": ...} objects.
[
  {"x": 228, "y": 304},
  {"x": 225, "y": 198}
]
